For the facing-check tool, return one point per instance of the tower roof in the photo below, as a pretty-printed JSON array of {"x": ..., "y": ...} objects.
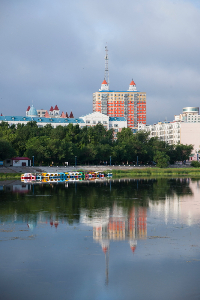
[
  {"x": 132, "y": 82},
  {"x": 104, "y": 82},
  {"x": 32, "y": 112}
]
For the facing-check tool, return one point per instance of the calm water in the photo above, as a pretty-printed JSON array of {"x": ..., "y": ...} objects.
[{"x": 123, "y": 239}]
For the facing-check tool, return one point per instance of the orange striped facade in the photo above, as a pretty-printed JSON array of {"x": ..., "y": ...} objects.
[{"x": 128, "y": 104}]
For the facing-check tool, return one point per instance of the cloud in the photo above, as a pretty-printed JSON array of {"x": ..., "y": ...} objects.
[{"x": 53, "y": 53}]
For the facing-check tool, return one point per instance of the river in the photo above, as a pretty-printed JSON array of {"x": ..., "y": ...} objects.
[{"x": 106, "y": 239}]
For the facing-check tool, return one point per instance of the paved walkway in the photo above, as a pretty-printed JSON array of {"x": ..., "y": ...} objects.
[{"x": 72, "y": 168}]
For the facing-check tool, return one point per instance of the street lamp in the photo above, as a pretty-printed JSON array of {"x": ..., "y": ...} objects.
[
  {"x": 110, "y": 160},
  {"x": 33, "y": 161},
  {"x": 75, "y": 160}
]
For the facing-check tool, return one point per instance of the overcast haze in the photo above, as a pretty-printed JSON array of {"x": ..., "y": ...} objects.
[{"x": 52, "y": 52}]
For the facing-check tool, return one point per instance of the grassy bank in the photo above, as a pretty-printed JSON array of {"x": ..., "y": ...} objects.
[
  {"x": 117, "y": 173},
  {"x": 10, "y": 176},
  {"x": 157, "y": 172}
]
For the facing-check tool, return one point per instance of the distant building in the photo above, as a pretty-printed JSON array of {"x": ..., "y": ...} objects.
[
  {"x": 18, "y": 162},
  {"x": 130, "y": 104},
  {"x": 189, "y": 114},
  {"x": 43, "y": 113},
  {"x": 185, "y": 129},
  {"x": 165, "y": 131},
  {"x": 117, "y": 123}
]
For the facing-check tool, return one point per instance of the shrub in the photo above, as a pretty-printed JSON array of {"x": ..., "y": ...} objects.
[{"x": 195, "y": 164}]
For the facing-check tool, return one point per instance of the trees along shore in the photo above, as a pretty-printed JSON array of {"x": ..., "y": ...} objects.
[{"x": 88, "y": 145}]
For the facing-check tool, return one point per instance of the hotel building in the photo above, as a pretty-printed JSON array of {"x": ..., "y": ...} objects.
[{"x": 130, "y": 104}]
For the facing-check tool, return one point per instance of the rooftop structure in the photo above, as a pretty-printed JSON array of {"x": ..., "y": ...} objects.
[{"x": 117, "y": 123}]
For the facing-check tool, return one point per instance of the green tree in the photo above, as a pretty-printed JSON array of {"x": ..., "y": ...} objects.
[
  {"x": 38, "y": 147},
  {"x": 6, "y": 150},
  {"x": 161, "y": 159},
  {"x": 183, "y": 152}
]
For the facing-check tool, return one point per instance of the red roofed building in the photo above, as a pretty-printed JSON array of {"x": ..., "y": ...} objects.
[
  {"x": 130, "y": 104},
  {"x": 21, "y": 162}
]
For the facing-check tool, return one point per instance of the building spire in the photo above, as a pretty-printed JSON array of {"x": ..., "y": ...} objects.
[{"x": 106, "y": 74}]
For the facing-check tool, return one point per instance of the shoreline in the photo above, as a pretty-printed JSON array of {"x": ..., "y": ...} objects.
[{"x": 118, "y": 171}]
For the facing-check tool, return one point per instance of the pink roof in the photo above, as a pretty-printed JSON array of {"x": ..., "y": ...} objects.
[
  {"x": 63, "y": 115},
  {"x": 20, "y": 158},
  {"x": 104, "y": 82},
  {"x": 132, "y": 83},
  {"x": 46, "y": 115}
]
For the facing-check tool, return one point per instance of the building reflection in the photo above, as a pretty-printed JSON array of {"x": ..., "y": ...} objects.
[{"x": 117, "y": 224}]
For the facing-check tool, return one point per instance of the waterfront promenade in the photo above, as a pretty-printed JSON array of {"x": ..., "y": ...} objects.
[{"x": 102, "y": 168}]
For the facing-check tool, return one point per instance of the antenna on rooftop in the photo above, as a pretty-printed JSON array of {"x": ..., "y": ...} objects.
[{"x": 106, "y": 75}]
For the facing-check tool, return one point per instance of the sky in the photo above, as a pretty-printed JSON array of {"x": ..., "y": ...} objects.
[{"x": 52, "y": 53}]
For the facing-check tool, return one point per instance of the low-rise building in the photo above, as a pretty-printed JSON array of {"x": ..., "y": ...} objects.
[{"x": 117, "y": 123}]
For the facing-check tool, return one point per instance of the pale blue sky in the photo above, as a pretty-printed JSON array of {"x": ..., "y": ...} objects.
[{"x": 52, "y": 52}]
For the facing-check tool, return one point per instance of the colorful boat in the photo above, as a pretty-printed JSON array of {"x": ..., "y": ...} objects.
[
  {"x": 28, "y": 176},
  {"x": 64, "y": 176}
]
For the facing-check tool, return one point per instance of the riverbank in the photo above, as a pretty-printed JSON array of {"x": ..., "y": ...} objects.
[{"x": 118, "y": 171}]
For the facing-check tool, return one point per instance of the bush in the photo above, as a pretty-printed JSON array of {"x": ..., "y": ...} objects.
[{"x": 195, "y": 164}]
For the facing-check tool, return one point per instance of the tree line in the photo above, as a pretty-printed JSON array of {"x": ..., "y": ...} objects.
[{"x": 87, "y": 145}]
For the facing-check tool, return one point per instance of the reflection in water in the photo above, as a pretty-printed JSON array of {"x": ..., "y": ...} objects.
[
  {"x": 116, "y": 223},
  {"x": 116, "y": 211}
]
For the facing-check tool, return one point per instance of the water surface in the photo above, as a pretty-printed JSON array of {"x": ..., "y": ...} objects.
[{"x": 114, "y": 239}]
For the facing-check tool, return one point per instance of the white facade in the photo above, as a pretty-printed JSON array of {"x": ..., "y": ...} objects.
[
  {"x": 21, "y": 161},
  {"x": 96, "y": 118},
  {"x": 115, "y": 123},
  {"x": 190, "y": 114},
  {"x": 185, "y": 129},
  {"x": 165, "y": 131}
]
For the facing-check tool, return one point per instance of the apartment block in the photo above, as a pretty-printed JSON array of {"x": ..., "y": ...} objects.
[{"x": 130, "y": 104}]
